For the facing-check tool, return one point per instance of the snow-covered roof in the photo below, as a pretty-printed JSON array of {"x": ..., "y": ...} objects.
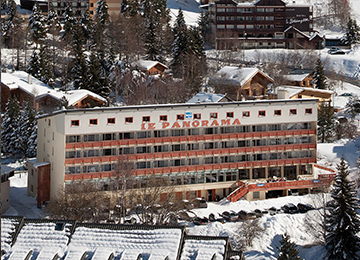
[
  {"x": 203, "y": 249},
  {"x": 236, "y": 75},
  {"x": 148, "y": 64},
  {"x": 6, "y": 169},
  {"x": 37, "y": 88},
  {"x": 205, "y": 97},
  {"x": 296, "y": 90},
  {"x": 296, "y": 77}
]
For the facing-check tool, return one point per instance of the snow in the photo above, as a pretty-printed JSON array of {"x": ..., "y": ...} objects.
[
  {"x": 203, "y": 249},
  {"x": 148, "y": 64},
  {"x": 205, "y": 97},
  {"x": 190, "y": 9},
  {"x": 235, "y": 75},
  {"x": 20, "y": 79},
  {"x": 297, "y": 77},
  {"x": 296, "y": 90}
]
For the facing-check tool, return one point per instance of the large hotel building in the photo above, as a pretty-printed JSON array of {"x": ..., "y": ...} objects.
[{"x": 207, "y": 150}]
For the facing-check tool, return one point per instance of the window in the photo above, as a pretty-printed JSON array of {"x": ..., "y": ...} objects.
[
  {"x": 230, "y": 114},
  {"x": 246, "y": 114},
  {"x": 111, "y": 121},
  {"x": 240, "y": 26},
  {"x": 240, "y": 18},
  {"x": 213, "y": 115},
  {"x": 180, "y": 117},
  {"x": 269, "y": 18},
  {"x": 260, "y": 10},
  {"x": 75, "y": 122},
  {"x": 230, "y": 26},
  {"x": 197, "y": 116},
  {"x": 163, "y": 118},
  {"x": 262, "y": 113},
  {"x": 269, "y": 10},
  {"x": 220, "y": 26},
  {"x": 277, "y": 112},
  {"x": 308, "y": 111},
  {"x": 249, "y": 26},
  {"x": 49, "y": 122},
  {"x": 220, "y": 18},
  {"x": 230, "y": 18},
  {"x": 221, "y": 10},
  {"x": 260, "y": 18},
  {"x": 146, "y": 119},
  {"x": 256, "y": 195},
  {"x": 128, "y": 120},
  {"x": 32, "y": 188},
  {"x": 230, "y": 10},
  {"x": 93, "y": 121},
  {"x": 293, "y": 111}
]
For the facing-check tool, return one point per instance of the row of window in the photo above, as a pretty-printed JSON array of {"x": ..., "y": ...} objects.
[
  {"x": 223, "y": 159},
  {"x": 187, "y": 147},
  {"x": 186, "y": 132},
  {"x": 290, "y": 173},
  {"x": 163, "y": 118},
  {"x": 245, "y": 18},
  {"x": 249, "y": 10}
]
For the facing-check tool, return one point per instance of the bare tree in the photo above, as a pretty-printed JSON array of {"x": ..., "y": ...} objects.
[
  {"x": 247, "y": 232},
  {"x": 315, "y": 219},
  {"x": 80, "y": 201}
]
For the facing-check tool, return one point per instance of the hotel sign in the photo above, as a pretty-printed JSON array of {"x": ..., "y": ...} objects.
[{"x": 188, "y": 124}]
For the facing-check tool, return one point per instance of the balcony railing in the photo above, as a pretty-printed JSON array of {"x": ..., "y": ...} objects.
[{"x": 187, "y": 139}]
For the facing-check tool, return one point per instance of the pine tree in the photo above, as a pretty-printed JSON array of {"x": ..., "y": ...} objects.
[
  {"x": 32, "y": 142},
  {"x": 204, "y": 26},
  {"x": 180, "y": 45},
  {"x": 352, "y": 34},
  {"x": 325, "y": 123},
  {"x": 79, "y": 70},
  {"x": 288, "y": 250},
  {"x": 342, "y": 220},
  {"x": 69, "y": 22},
  {"x": 46, "y": 69},
  {"x": 34, "y": 64},
  {"x": 10, "y": 126},
  {"x": 319, "y": 76},
  {"x": 53, "y": 23},
  {"x": 97, "y": 81},
  {"x": 8, "y": 24},
  {"x": 86, "y": 24},
  {"x": 102, "y": 19},
  {"x": 37, "y": 24},
  {"x": 26, "y": 128}
]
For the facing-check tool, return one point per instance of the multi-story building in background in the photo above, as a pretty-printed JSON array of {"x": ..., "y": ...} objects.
[
  {"x": 207, "y": 150},
  {"x": 264, "y": 24}
]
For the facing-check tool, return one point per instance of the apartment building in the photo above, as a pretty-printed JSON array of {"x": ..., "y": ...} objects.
[
  {"x": 264, "y": 24},
  {"x": 207, "y": 150}
]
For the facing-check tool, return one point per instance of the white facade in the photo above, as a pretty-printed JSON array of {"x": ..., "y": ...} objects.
[{"x": 146, "y": 122}]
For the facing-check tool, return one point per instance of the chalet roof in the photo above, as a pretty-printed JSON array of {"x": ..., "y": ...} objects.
[
  {"x": 203, "y": 97},
  {"x": 38, "y": 89},
  {"x": 315, "y": 35},
  {"x": 235, "y": 75},
  {"x": 72, "y": 240},
  {"x": 297, "y": 90},
  {"x": 296, "y": 77},
  {"x": 297, "y": 30},
  {"x": 148, "y": 64}
]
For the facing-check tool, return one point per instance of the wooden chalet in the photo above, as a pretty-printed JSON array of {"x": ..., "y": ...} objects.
[{"x": 241, "y": 83}]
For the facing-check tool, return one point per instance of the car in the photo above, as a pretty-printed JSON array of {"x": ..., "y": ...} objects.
[
  {"x": 333, "y": 49},
  {"x": 200, "y": 221},
  {"x": 185, "y": 204},
  {"x": 346, "y": 95},
  {"x": 242, "y": 214},
  {"x": 212, "y": 217},
  {"x": 258, "y": 213},
  {"x": 251, "y": 215},
  {"x": 199, "y": 203},
  {"x": 303, "y": 208},
  {"x": 289, "y": 208},
  {"x": 273, "y": 211},
  {"x": 336, "y": 51}
]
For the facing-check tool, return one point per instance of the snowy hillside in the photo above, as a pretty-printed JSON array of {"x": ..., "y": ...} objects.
[{"x": 190, "y": 8}]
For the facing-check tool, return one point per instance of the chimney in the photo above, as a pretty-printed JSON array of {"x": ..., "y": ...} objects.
[
  {"x": 282, "y": 94},
  {"x": 29, "y": 79}
]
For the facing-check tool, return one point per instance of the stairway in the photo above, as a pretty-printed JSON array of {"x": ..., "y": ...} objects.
[{"x": 239, "y": 192}]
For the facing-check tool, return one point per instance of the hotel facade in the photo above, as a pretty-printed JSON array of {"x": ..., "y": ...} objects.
[{"x": 206, "y": 150}]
